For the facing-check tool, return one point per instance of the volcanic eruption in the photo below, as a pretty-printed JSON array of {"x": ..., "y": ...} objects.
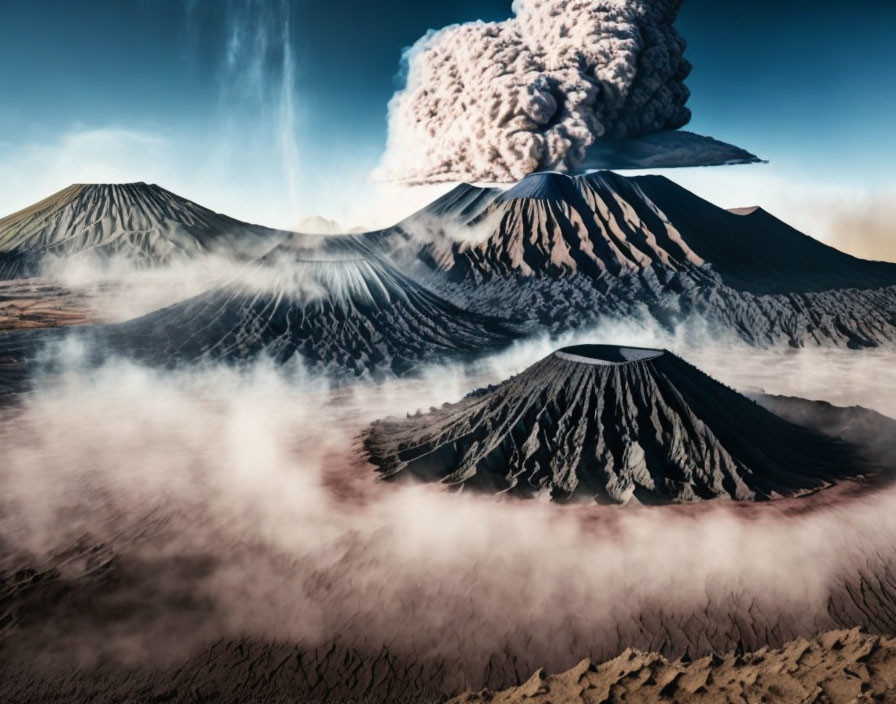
[{"x": 616, "y": 424}]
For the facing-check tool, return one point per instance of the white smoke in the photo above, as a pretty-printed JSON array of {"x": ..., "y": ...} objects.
[
  {"x": 258, "y": 101},
  {"x": 497, "y": 101},
  {"x": 254, "y": 476}
]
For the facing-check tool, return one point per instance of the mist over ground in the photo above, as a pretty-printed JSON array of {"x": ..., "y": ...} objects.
[
  {"x": 184, "y": 507},
  {"x": 202, "y": 530}
]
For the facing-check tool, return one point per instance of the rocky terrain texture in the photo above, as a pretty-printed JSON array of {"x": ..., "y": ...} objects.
[
  {"x": 73, "y": 628},
  {"x": 352, "y": 317},
  {"x": 142, "y": 223},
  {"x": 616, "y": 425},
  {"x": 28, "y": 304},
  {"x": 566, "y": 252},
  {"x": 341, "y": 317},
  {"x": 131, "y": 615},
  {"x": 839, "y": 667}
]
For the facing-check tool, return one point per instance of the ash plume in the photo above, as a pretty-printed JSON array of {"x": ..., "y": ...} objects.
[{"x": 496, "y": 101}]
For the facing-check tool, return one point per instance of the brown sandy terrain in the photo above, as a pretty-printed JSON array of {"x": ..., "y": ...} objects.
[
  {"x": 29, "y": 304},
  {"x": 838, "y": 667}
]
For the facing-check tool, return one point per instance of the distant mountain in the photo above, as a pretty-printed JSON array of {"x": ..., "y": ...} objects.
[
  {"x": 341, "y": 317},
  {"x": 612, "y": 424},
  {"x": 566, "y": 252},
  {"x": 555, "y": 252},
  {"x": 141, "y": 222}
]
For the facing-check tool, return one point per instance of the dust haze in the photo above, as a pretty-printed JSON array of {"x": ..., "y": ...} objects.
[{"x": 241, "y": 506}]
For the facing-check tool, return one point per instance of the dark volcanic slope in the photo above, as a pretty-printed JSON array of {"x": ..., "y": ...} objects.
[
  {"x": 570, "y": 251},
  {"x": 140, "y": 221},
  {"x": 757, "y": 252},
  {"x": 616, "y": 424},
  {"x": 353, "y": 316},
  {"x": 606, "y": 223},
  {"x": 342, "y": 317}
]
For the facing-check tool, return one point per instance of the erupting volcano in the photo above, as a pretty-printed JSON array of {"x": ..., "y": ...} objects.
[{"x": 567, "y": 252}]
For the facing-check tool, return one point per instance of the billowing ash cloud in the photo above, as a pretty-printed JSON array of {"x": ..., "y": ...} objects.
[{"x": 497, "y": 101}]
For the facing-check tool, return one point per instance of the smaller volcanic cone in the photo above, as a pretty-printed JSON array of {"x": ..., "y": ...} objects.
[
  {"x": 616, "y": 424},
  {"x": 342, "y": 317}
]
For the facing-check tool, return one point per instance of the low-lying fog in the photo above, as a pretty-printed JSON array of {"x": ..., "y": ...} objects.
[{"x": 237, "y": 505}]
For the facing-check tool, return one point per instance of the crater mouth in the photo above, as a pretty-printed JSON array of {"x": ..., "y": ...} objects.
[{"x": 607, "y": 354}]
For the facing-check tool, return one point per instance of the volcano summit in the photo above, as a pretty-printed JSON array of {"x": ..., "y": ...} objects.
[
  {"x": 143, "y": 223},
  {"x": 616, "y": 424},
  {"x": 568, "y": 252}
]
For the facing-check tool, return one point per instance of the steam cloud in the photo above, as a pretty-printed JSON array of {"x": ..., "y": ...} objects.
[
  {"x": 497, "y": 101},
  {"x": 256, "y": 64},
  {"x": 237, "y": 506}
]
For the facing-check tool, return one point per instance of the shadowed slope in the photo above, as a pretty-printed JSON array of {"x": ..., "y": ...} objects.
[
  {"x": 342, "y": 317},
  {"x": 616, "y": 424},
  {"x": 567, "y": 252},
  {"x": 756, "y": 251},
  {"x": 603, "y": 223},
  {"x": 141, "y": 222}
]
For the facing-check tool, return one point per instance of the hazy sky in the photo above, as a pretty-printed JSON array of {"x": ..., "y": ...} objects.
[{"x": 273, "y": 110}]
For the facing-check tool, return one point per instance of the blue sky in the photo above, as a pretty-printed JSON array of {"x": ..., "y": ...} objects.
[{"x": 212, "y": 98}]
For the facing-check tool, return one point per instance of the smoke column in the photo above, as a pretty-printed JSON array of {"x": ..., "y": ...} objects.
[
  {"x": 257, "y": 86},
  {"x": 497, "y": 101}
]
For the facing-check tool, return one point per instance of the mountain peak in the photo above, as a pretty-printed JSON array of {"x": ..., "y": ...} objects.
[
  {"x": 141, "y": 222},
  {"x": 544, "y": 185},
  {"x": 118, "y": 184},
  {"x": 613, "y": 424}
]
